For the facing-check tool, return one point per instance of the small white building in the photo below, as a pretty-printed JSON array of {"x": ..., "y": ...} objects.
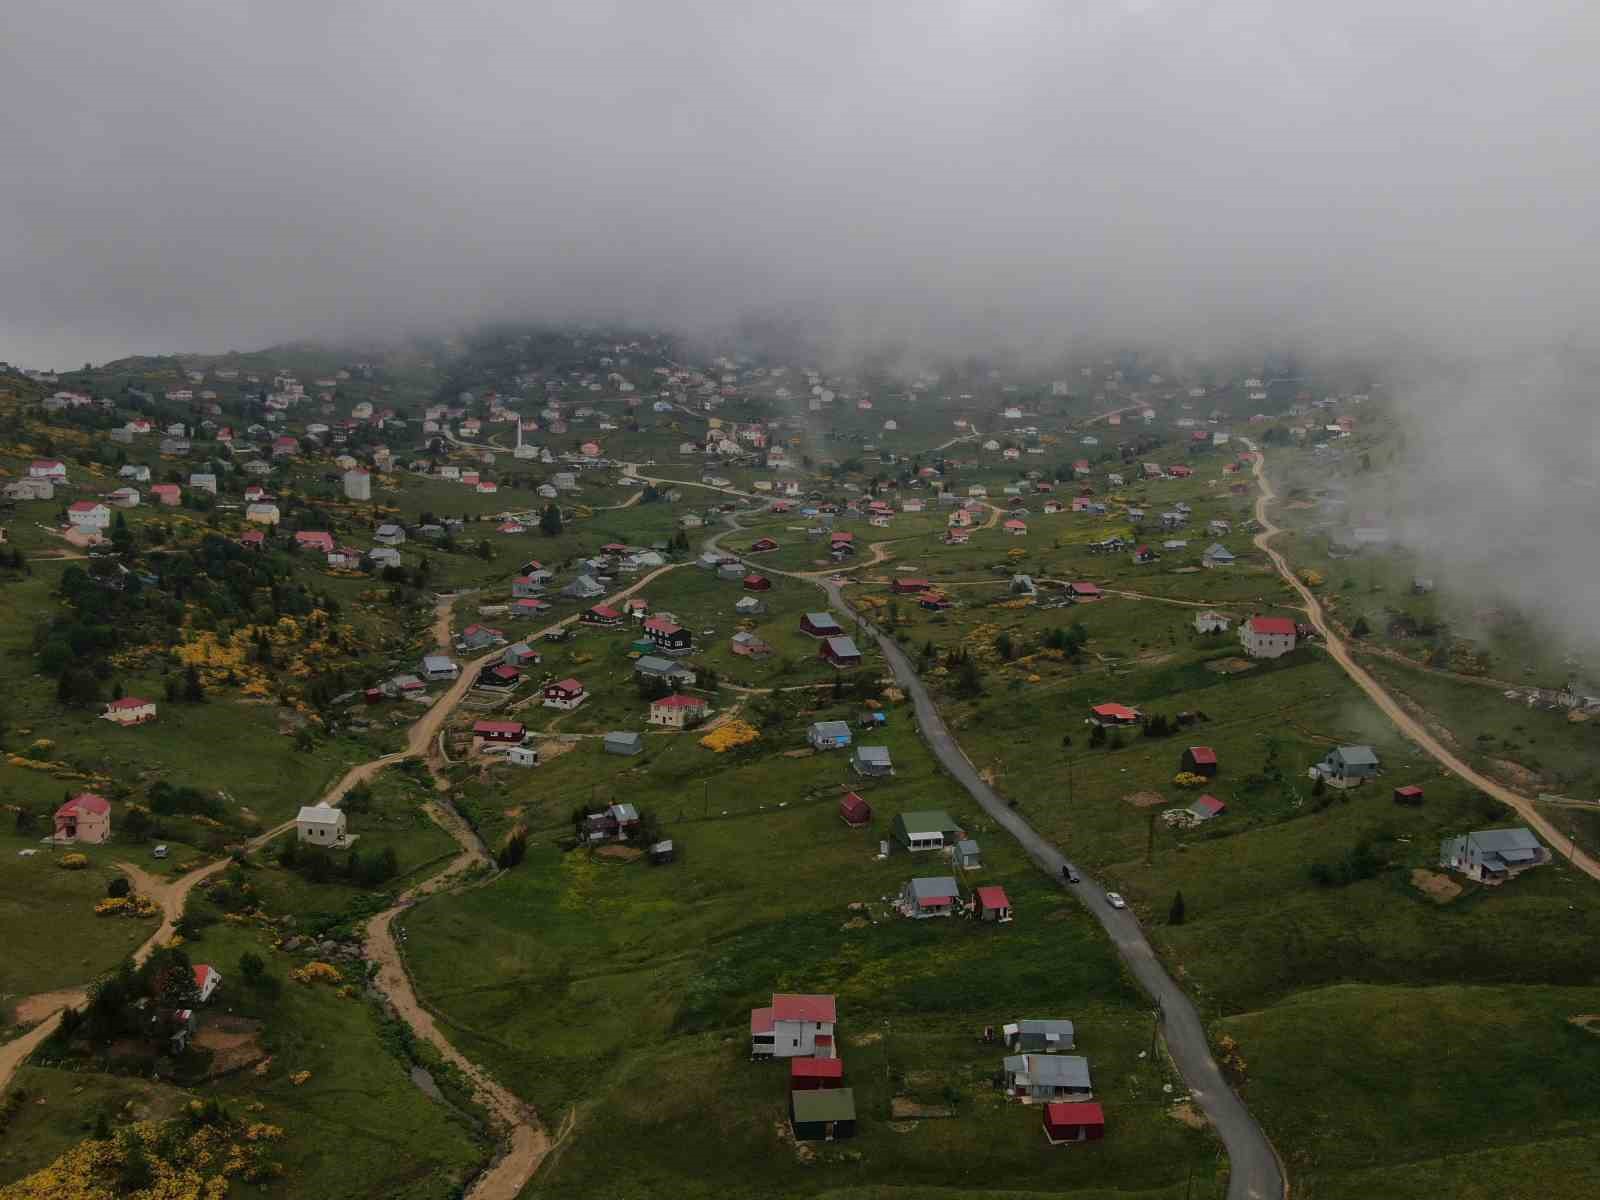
[
  {"x": 357, "y": 485},
  {"x": 1267, "y": 637},
  {"x": 262, "y": 514},
  {"x": 88, "y": 514},
  {"x": 321, "y": 825},
  {"x": 1212, "y": 622}
]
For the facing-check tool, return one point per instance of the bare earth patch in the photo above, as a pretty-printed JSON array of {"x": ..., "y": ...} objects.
[
  {"x": 1229, "y": 666},
  {"x": 866, "y": 1039},
  {"x": 1144, "y": 799},
  {"x": 1516, "y": 774},
  {"x": 234, "y": 1042},
  {"x": 1188, "y": 1114},
  {"x": 620, "y": 853},
  {"x": 1441, "y": 889},
  {"x": 902, "y": 1109},
  {"x": 36, "y": 1008},
  {"x": 554, "y": 748},
  {"x": 1588, "y": 1022}
]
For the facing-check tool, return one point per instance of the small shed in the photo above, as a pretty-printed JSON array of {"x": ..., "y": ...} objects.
[
  {"x": 822, "y": 1114},
  {"x": 1410, "y": 794},
  {"x": 1066, "y": 1122},
  {"x": 872, "y": 761},
  {"x": 967, "y": 855},
  {"x": 623, "y": 741},
  {"x": 815, "y": 1074},
  {"x": 993, "y": 905},
  {"x": 854, "y": 811},
  {"x": 662, "y": 852},
  {"x": 523, "y": 756},
  {"x": 1200, "y": 760}
]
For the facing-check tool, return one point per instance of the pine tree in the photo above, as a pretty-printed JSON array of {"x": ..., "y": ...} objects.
[{"x": 1176, "y": 913}]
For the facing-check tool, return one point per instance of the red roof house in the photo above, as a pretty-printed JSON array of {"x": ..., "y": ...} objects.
[
  {"x": 854, "y": 811},
  {"x": 763, "y": 545},
  {"x": 85, "y": 818},
  {"x": 207, "y": 979},
  {"x": 757, "y": 583},
  {"x": 498, "y": 731},
  {"x": 1082, "y": 1121},
  {"x": 677, "y": 710},
  {"x": 793, "y": 1006},
  {"x": 315, "y": 541},
  {"x": 910, "y": 587},
  {"x": 993, "y": 904},
  {"x": 1201, "y": 760},
  {"x": 130, "y": 710},
  {"x": 1115, "y": 714},
  {"x": 601, "y": 614},
  {"x": 564, "y": 693},
  {"x": 1084, "y": 591}
]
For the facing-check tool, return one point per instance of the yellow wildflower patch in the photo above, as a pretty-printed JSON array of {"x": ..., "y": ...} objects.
[
  {"x": 733, "y": 733},
  {"x": 317, "y": 972}
]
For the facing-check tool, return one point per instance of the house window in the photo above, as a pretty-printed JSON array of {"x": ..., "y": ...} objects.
[{"x": 794, "y": 1042}]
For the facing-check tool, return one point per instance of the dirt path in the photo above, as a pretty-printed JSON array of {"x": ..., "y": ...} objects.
[
  {"x": 441, "y": 621},
  {"x": 1523, "y": 806}
]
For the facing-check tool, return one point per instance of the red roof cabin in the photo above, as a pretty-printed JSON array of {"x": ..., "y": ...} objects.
[
  {"x": 318, "y": 540},
  {"x": 820, "y": 625},
  {"x": 1200, "y": 760},
  {"x": 763, "y": 546},
  {"x": 1410, "y": 794},
  {"x": 934, "y": 601},
  {"x": 910, "y": 587},
  {"x": 85, "y": 818},
  {"x": 757, "y": 583},
  {"x": 603, "y": 615},
  {"x": 1073, "y": 1122},
  {"x": 841, "y": 652},
  {"x": 499, "y": 731},
  {"x": 814, "y": 1074},
  {"x": 1115, "y": 714},
  {"x": 1084, "y": 591},
  {"x": 564, "y": 694},
  {"x": 993, "y": 905},
  {"x": 854, "y": 811}
]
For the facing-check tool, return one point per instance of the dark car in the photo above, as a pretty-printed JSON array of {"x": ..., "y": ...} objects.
[{"x": 1069, "y": 873}]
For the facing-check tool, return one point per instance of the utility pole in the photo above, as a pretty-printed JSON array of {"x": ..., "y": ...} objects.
[{"x": 1150, "y": 841}]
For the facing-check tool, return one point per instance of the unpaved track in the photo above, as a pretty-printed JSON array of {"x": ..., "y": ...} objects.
[
  {"x": 1523, "y": 806},
  {"x": 526, "y": 1141}
]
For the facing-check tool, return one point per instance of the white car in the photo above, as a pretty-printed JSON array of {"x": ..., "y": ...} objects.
[{"x": 1115, "y": 900}]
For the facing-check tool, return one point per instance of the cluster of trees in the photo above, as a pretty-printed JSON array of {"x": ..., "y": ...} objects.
[
  {"x": 1360, "y": 862},
  {"x": 318, "y": 865},
  {"x": 134, "y": 1002}
]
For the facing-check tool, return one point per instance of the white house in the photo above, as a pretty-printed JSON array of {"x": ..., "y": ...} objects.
[
  {"x": 88, "y": 514},
  {"x": 262, "y": 514},
  {"x": 207, "y": 979},
  {"x": 1212, "y": 622},
  {"x": 130, "y": 710},
  {"x": 321, "y": 825},
  {"x": 48, "y": 468},
  {"x": 794, "y": 1026},
  {"x": 1267, "y": 637}
]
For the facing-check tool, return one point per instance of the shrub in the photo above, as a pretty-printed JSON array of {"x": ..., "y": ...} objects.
[
  {"x": 73, "y": 862},
  {"x": 1188, "y": 779},
  {"x": 118, "y": 888}
]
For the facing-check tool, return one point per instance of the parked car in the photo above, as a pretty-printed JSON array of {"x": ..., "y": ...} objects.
[
  {"x": 159, "y": 852},
  {"x": 1116, "y": 901},
  {"x": 1069, "y": 872}
]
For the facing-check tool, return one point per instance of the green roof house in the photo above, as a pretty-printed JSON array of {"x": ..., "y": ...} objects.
[{"x": 929, "y": 830}]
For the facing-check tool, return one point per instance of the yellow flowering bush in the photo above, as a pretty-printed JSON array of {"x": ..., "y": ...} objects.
[
  {"x": 299, "y": 1077},
  {"x": 730, "y": 734},
  {"x": 1310, "y": 578},
  {"x": 1188, "y": 779},
  {"x": 73, "y": 862},
  {"x": 317, "y": 972}
]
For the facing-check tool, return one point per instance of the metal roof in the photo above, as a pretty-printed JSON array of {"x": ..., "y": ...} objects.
[
  {"x": 935, "y": 887},
  {"x": 823, "y": 1104}
]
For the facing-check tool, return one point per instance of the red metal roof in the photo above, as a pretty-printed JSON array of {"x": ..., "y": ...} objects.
[
  {"x": 761, "y": 1020},
  {"x": 606, "y": 611},
  {"x": 1272, "y": 625},
  {"x": 789, "y": 1006},
  {"x": 1082, "y": 1112},
  {"x": 1088, "y": 589},
  {"x": 816, "y": 1068},
  {"x": 854, "y": 806},
  {"x": 1211, "y": 804},
  {"x": 843, "y": 537},
  {"x": 1410, "y": 789},
  {"x": 1203, "y": 755},
  {"x": 679, "y": 701},
  {"x": 497, "y": 727},
  {"x": 993, "y": 897},
  {"x": 1120, "y": 711},
  {"x": 568, "y": 685},
  {"x": 90, "y": 802}
]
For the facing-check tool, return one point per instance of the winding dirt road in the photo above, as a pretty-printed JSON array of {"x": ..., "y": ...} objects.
[{"x": 1522, "y": 805}]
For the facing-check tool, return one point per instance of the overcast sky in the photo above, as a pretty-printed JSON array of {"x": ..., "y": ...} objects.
[{"x": 211, "y": 174}]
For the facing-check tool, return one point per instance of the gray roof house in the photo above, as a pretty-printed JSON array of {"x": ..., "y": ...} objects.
[
  {"x": 968, "y": 856},
  {"x": 1492, "y": 855},
  {"x": 437, "y": 666},
  {"x": 1047, "y": 1077},
  {"x": 930, "y": 896},
  {"x": 384, "y": 556},
  {"x": 1217, "y": 555},
  {"x": 1039, "y": 1037},
  {"x": 829, "y": 735},
  {"x": 583, "y": 587},
  {"x": 623, "y": 741},
  {"x": 872, "y": 760},
  {"x": 657, "y": 667},
  {"x": 1348, "y": 765},
  {"x": 749, "y": 606},
  {"x": 389, "y": 535}
]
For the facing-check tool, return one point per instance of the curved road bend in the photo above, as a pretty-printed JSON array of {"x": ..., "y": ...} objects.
[
  {"x": 1560, "y": 842},
  {"x": 1254, "y": 1171}
]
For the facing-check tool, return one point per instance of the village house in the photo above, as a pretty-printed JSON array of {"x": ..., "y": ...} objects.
[
  {"x": 437, "y": 667},
  {"x": 840, "y": 651},
  {"x": 1492, "y": 855},
  {"x": 479, "y": 637},
  {"x": 86, "y": 819},
  {"x": 510, "y": 733},
  {"x": 931, "y": 829},
  {"x": 48, "y": 468},
  {"x": 1217, "y": 555},
  {"x": 1212, "y": 622},
  {"x": 321, "y": 824},
  {"x": 748, "y": 645},
  {"x": 655, "y": 667},
  {"x": 993, "y": 905},
  {"x": 1038, "y": 1036},
  {"x": 565, "y": 694},
  {"x": 820, "y": 625},
  {"x": 756, "y": 583},
  {"x": 1267, "y": 637},
  {"x": 967, "y": 855},
  {"x": 1113, "y": 716},
  {"x": 130, "y": 710},
  {"x": 624, "y": 742},
  {"x": 678, "y": 711},
  {"x": 930, "y": 896},
  {"x": 30, "y": 489},
  {"x": 320, "y": 541},
  {"x": 124, "y": 497},
  {"x": 263, "y": 513},
  {"x": 794, "y": 1026},
  {"x": 1080, "y": 590},
  {"x": 872, "y": 761},
  {"x": 1348, "y": 766},
  {"x": 1143, "y": 555},
  {"x": 616, "y": 823},
  {"x": 203, "y": 481},
  {"x": 389, "y": 535},
  {"x": 829, "y": 735},
  {"x": 499, "y": 676},
  {"x": 1199, "y": 760},
  {"x": 1036, "y": 1077},
  {"x": 88, "y": 515},
  {"x": 822, "y": 1114},
  {"x": 668, "y": 636},
  {"x": 520, "y": 654},
  {"x": 601, "y": 615}
]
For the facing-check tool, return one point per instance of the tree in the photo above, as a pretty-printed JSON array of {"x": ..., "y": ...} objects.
[
  {"x": 1360, "y": 628},
  {"x": 194, "y": 691},
  {"x": 252, "y": 967},
  {"x": 1004, "y": 646},
  {"x": 77, "y": 687},
  {"x": 969, "y": 680},
  {"x": 26, "y": 818},
  {"x": 121, "y": 535},
  {"x": 550, "y": 521},
  {"x": 1176, "y": 913},
  {"x": 118, "y": 887},
  {"x": 1097, "y": 735}
]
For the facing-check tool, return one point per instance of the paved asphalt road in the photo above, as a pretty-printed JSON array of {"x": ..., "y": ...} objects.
[{"x": 1253, "y": 1166}]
